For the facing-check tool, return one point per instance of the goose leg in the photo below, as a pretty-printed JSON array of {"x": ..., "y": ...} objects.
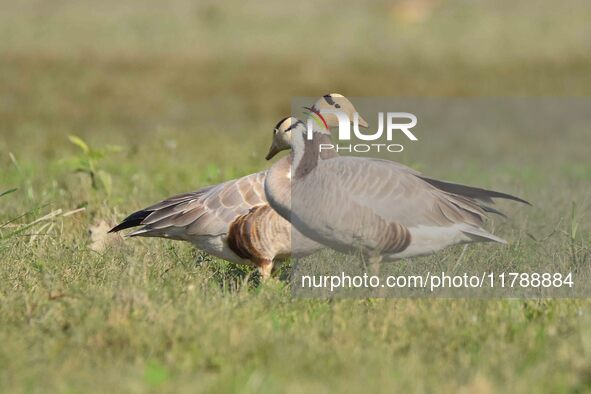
[
  {"x": 375, "y": 264},
  {"x": 265, "y": 267}
]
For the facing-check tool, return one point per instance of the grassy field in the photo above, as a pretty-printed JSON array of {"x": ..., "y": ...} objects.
[{"x": 173, "y": 99}]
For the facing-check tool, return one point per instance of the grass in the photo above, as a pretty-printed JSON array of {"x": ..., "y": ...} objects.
[{"x": 190, "y": 104}]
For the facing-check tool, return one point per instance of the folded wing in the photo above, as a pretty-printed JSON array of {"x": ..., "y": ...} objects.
[{"x": 207, "y": 211}]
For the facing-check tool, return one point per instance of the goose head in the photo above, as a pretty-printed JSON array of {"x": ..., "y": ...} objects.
[
  {"x": 335, "y": 102},
  {"x": 282, "y": 134},
  {"x": 283, "y": 131}
]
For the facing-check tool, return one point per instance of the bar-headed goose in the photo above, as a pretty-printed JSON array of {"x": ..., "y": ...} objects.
[
  {"x": 379, "y": 207},
  {"x": 233, "y": 220}
]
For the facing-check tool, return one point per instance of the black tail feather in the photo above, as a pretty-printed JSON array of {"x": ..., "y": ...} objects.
[
  {"x": 488, "y": 209},
  {"x": 133, "y": 220},
  {"x": 472, "y": 192}
]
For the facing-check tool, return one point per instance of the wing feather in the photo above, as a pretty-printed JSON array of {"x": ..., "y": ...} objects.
[
  {"x": 207, "y": 211},
  {"x": 390, "y": 191}
]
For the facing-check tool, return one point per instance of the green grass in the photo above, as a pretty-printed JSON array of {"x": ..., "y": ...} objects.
[{"x": 192, "y": 103}]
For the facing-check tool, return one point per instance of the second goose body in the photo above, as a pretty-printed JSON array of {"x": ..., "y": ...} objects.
[{"x": 386, "y": 210}]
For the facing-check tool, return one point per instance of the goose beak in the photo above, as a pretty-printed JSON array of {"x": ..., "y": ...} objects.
[
  {"x": 310, "y": 110},
  {"x": 272, "y": 152},
  {"x": 362, "y": 122}
]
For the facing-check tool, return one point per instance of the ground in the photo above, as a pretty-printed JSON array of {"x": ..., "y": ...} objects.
[{"x": 167, "y": 105}]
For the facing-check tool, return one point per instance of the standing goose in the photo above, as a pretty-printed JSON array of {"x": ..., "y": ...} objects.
[
  {"x": 233, "y": 220},
  {"x": 382, "y": 208}
]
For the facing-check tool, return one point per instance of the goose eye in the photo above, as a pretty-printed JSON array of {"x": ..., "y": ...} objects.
[{"x": 337, "y": 106}]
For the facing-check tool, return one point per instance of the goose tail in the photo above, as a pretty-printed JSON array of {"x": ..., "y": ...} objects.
[
  {"x": 133, "y": 220},
  {"x": 481, "y": 235},
  {"x": 477, "y": 193}
]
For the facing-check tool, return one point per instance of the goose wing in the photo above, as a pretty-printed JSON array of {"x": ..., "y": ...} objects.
[
  {"x": 386, "y": 191},
  {"x": 477, "y": 193},
  {"x": 207, "y": 211}
]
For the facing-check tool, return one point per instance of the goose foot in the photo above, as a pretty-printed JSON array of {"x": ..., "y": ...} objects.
[
  {"x": 375, "y": 265},
  {"x": 265, "y": 268}
]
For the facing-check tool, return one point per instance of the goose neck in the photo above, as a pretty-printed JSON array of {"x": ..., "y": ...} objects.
[{"x": 305, "y": 153}]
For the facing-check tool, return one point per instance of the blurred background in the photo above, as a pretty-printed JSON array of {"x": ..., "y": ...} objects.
[
  {"x": 146, "y": 68},
  {"x": 148, "y": 75}
]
